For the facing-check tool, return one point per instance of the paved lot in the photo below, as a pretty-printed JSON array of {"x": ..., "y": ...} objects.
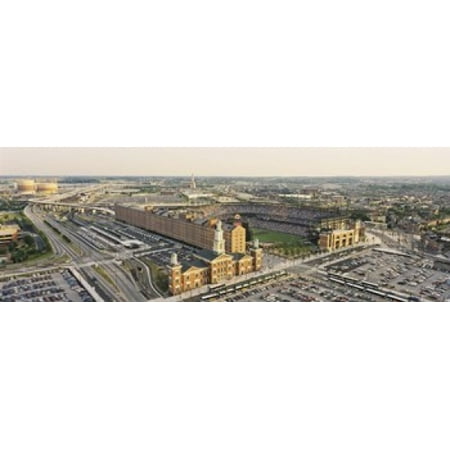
[
  {"x": 44, "y": 287},
  {"x": 370, "y": 276},
  {"x": 411, "y": 275},
  {"x": 298, "y": 288}
]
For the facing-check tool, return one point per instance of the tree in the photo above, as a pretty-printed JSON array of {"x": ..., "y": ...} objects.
[
  {"x": 29, "y": 240},
  {"x": 19, "y": 255}
]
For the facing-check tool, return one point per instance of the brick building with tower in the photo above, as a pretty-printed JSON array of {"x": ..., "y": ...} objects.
[
  {"x": 212, "y": 266},
  {"x": 223, "y": 248}
]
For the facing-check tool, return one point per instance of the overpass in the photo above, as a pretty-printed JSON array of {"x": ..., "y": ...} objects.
[{"x": 49, "y": 205}]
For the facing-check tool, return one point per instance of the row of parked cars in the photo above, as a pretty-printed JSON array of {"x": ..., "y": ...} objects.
[
  {"x": 34, "y": 288},
  {"x": 75, "y": 286},
  {"x": 43, "y": 288}
]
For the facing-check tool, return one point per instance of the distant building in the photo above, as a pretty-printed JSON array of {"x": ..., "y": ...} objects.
[
  {"x": 297, "y": 196},
  {"x": 47, "y": 188},
  {"x": 193, "y": 185},
  {"x": 435, "y": 223},
  {"x": 26, "y": 187},
  {"x": 196, "y": 195},
  {"x": 377, "y": 217},
  {"x": 29, "y": 187},
  {"x": 8, "y": 234},
  {"x": 193, "y": 194}
]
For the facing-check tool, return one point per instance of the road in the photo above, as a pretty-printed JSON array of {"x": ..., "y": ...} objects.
[
  {"x": 147, "y": 279},
  {"x": 86, "y": 258},
  {"x": 397, "y": 239}
]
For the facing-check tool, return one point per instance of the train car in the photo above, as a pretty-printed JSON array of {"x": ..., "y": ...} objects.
[
  {"x": 370, "y": 284},
  {"x": 209, "y": 296},
  {"x": 333, "y": 274},
  {"x": 337, "y": 281},
  {"x": 356, "y": 286},
  {"x": 346, "y": 277},
  {"x": 376, "y": 292},
  {"x": 396, "y": 298},
  {"x": 216, "y": 287}
]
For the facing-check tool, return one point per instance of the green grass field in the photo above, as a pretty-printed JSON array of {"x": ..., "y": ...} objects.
[
  {"x": 284, "y": 244},
  {"x": 276, "y": 237}
]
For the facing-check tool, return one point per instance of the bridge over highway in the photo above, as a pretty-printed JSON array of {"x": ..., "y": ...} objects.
[{"x": 75, "y": 207}]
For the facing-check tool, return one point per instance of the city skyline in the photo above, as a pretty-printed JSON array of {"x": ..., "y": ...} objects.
[{"x": 217, "y": 161}]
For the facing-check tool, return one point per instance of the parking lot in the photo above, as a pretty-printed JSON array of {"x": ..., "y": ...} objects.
[
  {"x": 297, "y": 288},
  {"x": 153, "y": 240},
  {"x": 44, "y": 287},
  {"x": 411, "y": 275},
  {"x": 370, "y": 276}
]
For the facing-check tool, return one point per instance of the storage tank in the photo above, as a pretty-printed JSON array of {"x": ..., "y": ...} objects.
[
  {"x": 47, "y": 188},
  {"x": 26, "y": 186}
]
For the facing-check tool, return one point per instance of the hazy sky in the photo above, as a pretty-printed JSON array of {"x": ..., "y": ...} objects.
[{"x": 225, "y": 161}]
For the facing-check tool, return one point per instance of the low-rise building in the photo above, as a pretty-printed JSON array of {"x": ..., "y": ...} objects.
[
  {"x": 336, "y": 238},
  {"x": 9, "y": 233}
]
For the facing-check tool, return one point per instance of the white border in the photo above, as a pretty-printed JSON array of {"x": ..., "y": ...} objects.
[
  {"x": 235, "y": 73},
  {"x": 203, "y": 73}
]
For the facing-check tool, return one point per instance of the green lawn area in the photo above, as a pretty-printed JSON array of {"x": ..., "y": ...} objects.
[
  {"x": 11, "y": 217},
  {"x": 284, "y": 244},
  {"x": 276, "y": 237},
  {"x": 159, "y": 275},
  {"x": 102, "y": 272},
  {"x": 24, "y": 250}
]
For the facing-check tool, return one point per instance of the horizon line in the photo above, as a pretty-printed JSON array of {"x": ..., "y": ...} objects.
[{"x": 226, "y": 176}]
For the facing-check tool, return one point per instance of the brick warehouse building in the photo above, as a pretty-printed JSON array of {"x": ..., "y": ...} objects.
[
  {"x": 212, "y": 266},
  {"x": 196, "y": 231},
  {"x": 224, "y": 253}
]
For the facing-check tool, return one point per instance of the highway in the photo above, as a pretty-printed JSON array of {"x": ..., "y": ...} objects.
[
  {"x": 55, "y": 243},
  {"x": 87, "y": 258},
  {"x": 127, "y": 288}
]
